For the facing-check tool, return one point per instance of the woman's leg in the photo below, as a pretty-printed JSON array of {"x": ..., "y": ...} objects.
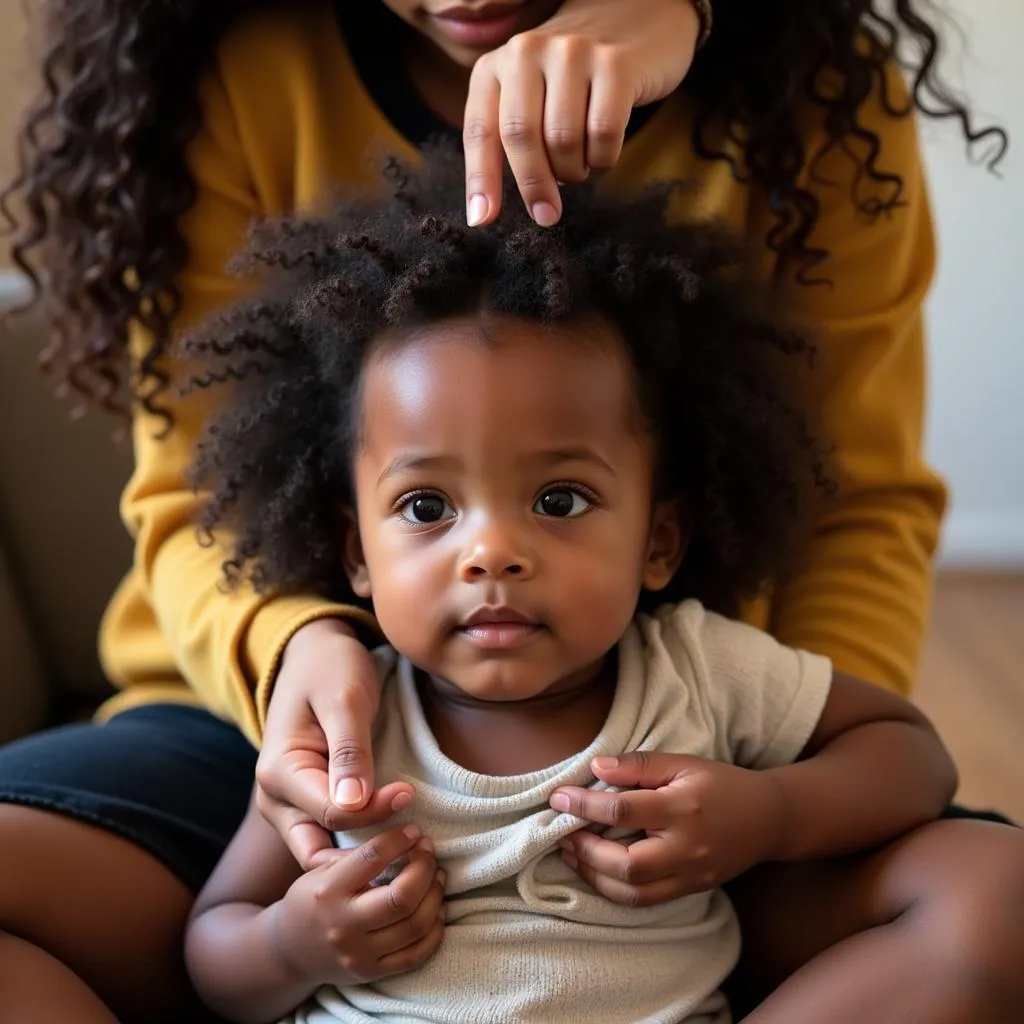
[
  {"x": 105, "y": 834},
  {"x": 928, "y": 930}
]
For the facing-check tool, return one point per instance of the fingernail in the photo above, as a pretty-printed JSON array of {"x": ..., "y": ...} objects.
[
  {"x": 560, "y": 802},
  {"x": 411, "y": 832},
  {"x": 606, "y": 764},
  {"x": 349, "y": 793},
  {"x": 570, "y": 860},
  {"x": 544, "y": 214},
  {"x": 476, "y": 209},
  {"x": 401, "y": 802},
  {"x": 426, "y": 846},
  {"x": 442, "y": 875}
]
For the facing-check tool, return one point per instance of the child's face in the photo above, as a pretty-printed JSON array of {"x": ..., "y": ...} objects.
[
  {"x": 465, "y": 29},
  {"x": 504, "y": 503}
]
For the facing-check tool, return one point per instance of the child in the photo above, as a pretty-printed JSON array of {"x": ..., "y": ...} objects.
[{"x": 553, "y": 462}]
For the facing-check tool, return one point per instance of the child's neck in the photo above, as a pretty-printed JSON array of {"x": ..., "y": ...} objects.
[
  {"x": 441, "y": 83},
  {"x": 517, "y": 737}
]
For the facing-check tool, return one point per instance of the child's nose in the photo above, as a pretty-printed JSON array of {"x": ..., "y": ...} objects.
[{"x": 495, "y": 552}]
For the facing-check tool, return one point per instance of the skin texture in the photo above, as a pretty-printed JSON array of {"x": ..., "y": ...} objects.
[{"x": 454, "y": 513}]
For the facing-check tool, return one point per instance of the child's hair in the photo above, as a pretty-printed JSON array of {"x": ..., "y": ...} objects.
[
  {"x": 103, "y": 180},
  {"x": 716, "y": 375}
]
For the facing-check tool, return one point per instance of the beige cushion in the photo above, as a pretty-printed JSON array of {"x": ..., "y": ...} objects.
[{"x": 59, "y": 487}]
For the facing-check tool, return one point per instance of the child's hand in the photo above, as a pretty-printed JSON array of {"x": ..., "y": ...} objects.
[
  {"x": 706, "y": 823},
  {"x": 556, "y": 100},
  {"x": 334, "y": 927}
]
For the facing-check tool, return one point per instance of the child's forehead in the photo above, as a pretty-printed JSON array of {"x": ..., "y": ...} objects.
[{"x": 497, "y": 380}]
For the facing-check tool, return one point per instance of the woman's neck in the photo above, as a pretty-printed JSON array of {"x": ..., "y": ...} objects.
[
  {"x": 442, "y": 84},
  {"x": 517, "y": 737}
]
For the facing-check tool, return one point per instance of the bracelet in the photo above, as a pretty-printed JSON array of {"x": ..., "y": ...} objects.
[{"x": 706, "y": 16}]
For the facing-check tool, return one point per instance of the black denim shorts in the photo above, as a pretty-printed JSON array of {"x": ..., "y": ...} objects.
[{"x": 174, "y": 780}]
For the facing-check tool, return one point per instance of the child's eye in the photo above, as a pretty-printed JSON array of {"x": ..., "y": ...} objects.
[
  {"x": 423, "y": 509},
  {"x": 562, "y": 503}
]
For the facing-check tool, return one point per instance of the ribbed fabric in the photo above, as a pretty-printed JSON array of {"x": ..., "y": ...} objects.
[{"x": 527, "y": 940}]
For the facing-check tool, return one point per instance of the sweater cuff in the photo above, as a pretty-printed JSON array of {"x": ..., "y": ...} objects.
[{"x": 271, "y": 629}]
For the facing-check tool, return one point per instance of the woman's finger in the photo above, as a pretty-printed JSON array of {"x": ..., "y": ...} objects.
[
  {"x": 521, "y": 125},
  {"x": 485, "y": 158},
  {"x": 646, "y": 860},
  {"x": 608, "y": 111},
  {"x": 345, "y": 713},
  {"x": 567, "y": 89},
  {"x": 305, "y": 838}
]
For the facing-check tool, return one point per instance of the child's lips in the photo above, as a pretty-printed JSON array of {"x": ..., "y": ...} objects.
[{"x": 499, "y": 628}]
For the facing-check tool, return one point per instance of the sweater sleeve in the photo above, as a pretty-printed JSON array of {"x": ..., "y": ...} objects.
[
  {"x": 227, "y": 645},
  {"x": 864, "y": 598}
]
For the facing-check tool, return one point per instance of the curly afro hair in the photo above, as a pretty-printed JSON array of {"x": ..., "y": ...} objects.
[{"x": 718, "y": 378}]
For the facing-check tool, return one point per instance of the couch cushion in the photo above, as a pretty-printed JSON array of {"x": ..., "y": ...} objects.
[{"x": 59, "y": 487}]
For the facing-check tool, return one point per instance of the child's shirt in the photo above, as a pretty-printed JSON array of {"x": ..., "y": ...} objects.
[{"x": 527, "y": 940}]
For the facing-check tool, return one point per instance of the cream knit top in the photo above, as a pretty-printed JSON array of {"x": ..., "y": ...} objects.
[{"x": 527, "y": 940}]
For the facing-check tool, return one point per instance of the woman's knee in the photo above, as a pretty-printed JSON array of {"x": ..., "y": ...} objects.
[{"x": 100, "y": 905}]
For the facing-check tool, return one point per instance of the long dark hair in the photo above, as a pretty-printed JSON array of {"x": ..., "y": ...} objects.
[{"x": 103, "y": 181}]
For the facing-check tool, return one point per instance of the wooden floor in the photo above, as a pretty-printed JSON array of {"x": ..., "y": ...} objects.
[{"x": 972, "y": 685}]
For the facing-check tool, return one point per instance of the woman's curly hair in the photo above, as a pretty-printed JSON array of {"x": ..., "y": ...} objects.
[
  {"x": 103, "y": 180},
  {"x": 718, "y": 379}
]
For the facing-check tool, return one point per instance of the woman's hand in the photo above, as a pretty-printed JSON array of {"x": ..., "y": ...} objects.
[
  {"x": 556, "y": 100},
  {"x": 706, "y": 823},
  {"x": 315, "y": 770}
]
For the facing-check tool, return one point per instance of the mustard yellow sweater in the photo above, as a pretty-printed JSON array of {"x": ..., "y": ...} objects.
[{"x": 288, "y": 118}]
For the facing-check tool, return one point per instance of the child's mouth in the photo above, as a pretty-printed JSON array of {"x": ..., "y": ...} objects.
[{"x": 499, "y": 629}]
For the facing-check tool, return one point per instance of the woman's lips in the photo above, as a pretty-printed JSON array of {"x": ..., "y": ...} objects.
[{"x": 483, "y": 27}]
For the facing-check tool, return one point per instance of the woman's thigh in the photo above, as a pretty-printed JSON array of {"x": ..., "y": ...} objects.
[{"x": 106, "y": 832}]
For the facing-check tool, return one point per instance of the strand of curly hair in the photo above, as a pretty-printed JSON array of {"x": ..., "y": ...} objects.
[{"x": 103, "y": 183}]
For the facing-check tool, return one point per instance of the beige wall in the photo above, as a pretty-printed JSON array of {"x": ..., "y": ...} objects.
[{"x": 14, "y": 70}]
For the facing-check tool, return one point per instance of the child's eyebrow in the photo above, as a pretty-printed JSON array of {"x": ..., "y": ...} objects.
[
  {"x": 415, "y": 461},
  {"x": 580, "y": 453}
]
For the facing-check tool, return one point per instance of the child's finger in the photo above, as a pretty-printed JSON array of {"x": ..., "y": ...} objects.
[
  {"x": 644, "y": 770},
  {"x": 647, "y": 860},
  {"x": 413, "y": 956},
  {"x": 645, "y": 895},
  {"x": 411, "y": 929},
  {"x": 357, "y": 868},
  {"x": 384, "y": 905},
  {"x": 637, "y": 809}
]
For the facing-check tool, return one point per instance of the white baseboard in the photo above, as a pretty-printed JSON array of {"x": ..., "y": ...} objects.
[{"x": 983, "y": 540}]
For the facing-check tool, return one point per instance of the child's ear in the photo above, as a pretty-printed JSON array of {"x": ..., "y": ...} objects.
[
  {"x": 666, "y": 544},
  {"x": 355, "y": 562}
]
